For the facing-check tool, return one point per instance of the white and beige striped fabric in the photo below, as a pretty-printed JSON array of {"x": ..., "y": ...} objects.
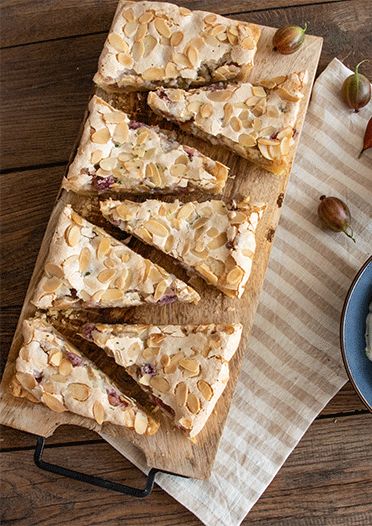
[{"x": 293, "y": 365}]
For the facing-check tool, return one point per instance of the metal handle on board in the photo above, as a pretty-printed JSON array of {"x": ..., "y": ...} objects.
[{"x": 96, "y": 481}]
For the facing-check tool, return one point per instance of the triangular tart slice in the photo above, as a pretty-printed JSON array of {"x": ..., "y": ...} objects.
[
  {"x": 184, "y": 369},
  {"x": 52, "y": 371},
  {"x": 123, "y": 156},
  {"x": 153, "y": 44},
  {"x": 210, "y": 238},
  {"x": 88, "y": 267},
  {"x": 257, "y": 121}
]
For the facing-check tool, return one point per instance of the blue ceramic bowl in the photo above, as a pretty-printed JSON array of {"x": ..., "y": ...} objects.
[{"x": 353, "y": 328}]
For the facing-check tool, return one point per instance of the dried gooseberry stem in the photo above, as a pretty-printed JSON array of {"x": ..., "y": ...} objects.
[
  {"x": 349, "y": 234},
  {"x": 356, "y": 69}
]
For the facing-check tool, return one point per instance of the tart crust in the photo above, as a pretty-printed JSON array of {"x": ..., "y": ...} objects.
[
  {"x": 52, "y": 371},
  {"x": 184, "y": 369},
  {"x": 119, "y": 155},
  {"x": 256, "y": 121},
  {"x": 88, "y": 267},
  {"x": 209, "y": 238},
  {"x": 153, "y": 44}
]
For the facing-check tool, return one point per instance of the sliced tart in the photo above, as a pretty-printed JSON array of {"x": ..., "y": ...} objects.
[
  {"x": 256, "y": 121},
  {"x": 119, "y": 155},
  {"x": 153, "y": 44},
  {"x": 88, "y": 267},
  {"x": 184, "y": 369},
  {"x": 56, "y": 374},
  {"x": 210, "y": 238}
]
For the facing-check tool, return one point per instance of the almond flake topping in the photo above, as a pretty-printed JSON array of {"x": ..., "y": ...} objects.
[
  {"x": 193, "y": 403},
  {"x": 118, "y": 43},
  {"x": 53, "y": 403},
  {"x": 146, "y": 17},
  {"x": 140, "y": 423},
  {"x": 176, "y": 38},
  {"x": 160, "y": 384},
  {"x": 162, "y": 27},
  {"x": 98, "y": 412},
  {"x": 79, "y": 391},
  {"x": 181, "y": 392},
  {"x": 103, "y": 247},
  {"x": 205, "y": 390}
]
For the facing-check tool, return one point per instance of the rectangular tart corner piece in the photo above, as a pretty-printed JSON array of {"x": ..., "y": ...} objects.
[
  {"x": 52, "y": 371},
  {"x": 118, "y": 155},
  {"x": 210, "y": 238},
  {"x": 183, "y": 369},
  {"x": 256, "y": 121},
  {"x": 87, "y": 267},
  {"x": 153, "y": 44}
]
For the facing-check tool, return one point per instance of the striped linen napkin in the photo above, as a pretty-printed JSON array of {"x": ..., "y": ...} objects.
[{"x": 293, "y": 365}]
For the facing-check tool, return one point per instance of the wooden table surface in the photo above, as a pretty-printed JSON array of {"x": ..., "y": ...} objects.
[{"x": 49, "y": 53}]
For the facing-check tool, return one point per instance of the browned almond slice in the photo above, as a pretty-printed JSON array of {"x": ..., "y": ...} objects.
[
  {"x": 176, "y": 38},
  {"x": 53, "y": 403},
  {"x": 112, "y": 295},
  {"x": 235, "y": 275},
  {"x": 138, "y": 50},
  {"x": 162, "y": 27},
  {"x": 125, "y": 60},
  {"x": 146, "y": 17},
  {"x": 156, "y": 228},
  {"x": 141, "y": 32},
  {"x": 26, "y": 380},
  {"x": 79, "y": 391},
  {"x": 210, "y": 18},
  {"x": 193, "y": 403},
  {"x": 205, "y": 271},
  {"x": 220, "y": 95},
  {"x": 52, "y": 284},
  {"x": 54, "y": 270},
  {"x": 160, "y": 384},
  {"x": 170, "y": 369},
  {"x": 128, "y": 14},
  {"x": 165, "y": 360},
  {"x": 101, "y": 136},
  {"x": 184, "y": 11},
  {"x": 72, "y": 235},
  {"x": 103, "y": 247},
  {"x": 205, "y": 389},
  {"x": 185, "y": 211},
  {"x": 98, "y": 412},
  {"x": 121, "y": 132},
  {"x": 140, "y": 423},
  {"x": 189, "y": 365},
  {"x": 130, "y": 27},
  {"x": 118, "y": 43},
  {"x": 160, "y": 289},
  {"x": 106, "y": 275},
  {"x": 286, "y": 95},
  {"x": 181, "y": 392},
  {"x": 55, "y": 357},
  {"x": 171, "y": 70},
  {"x": 84, "y": 259},
  {"x": 149, "y": 43},
  {"x": 153, "y": 74},
  {"x": 65, "y": 367}
]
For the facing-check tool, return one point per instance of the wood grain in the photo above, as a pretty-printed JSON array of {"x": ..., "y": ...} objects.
[
  {"x": 345, "y": 401},
  {"x": 77, "y": 17},
  {"x": 64, "y": 70},
  {"x": 331, "y": 488},
  {"x": 335, "y": 501},
  {"x": 190, "y": 459}
]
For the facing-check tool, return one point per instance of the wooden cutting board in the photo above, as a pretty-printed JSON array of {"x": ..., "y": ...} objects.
[{"x": 169, "y": 449}]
